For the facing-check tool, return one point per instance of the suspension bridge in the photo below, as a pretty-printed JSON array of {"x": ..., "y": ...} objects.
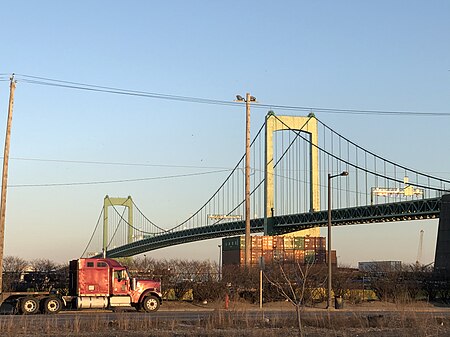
[{"x": 291, "y": 159}]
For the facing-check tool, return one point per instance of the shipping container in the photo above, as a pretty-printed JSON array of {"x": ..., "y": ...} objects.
[
  {"x": 299, "y": 256},
  {"x": 321, "y": 257},
  {"x": 288, "y": 242},
  {"x": 321, "y": 243},
  {"x": 278, "y": 255},
  {"x": 267, "y": 243},
  {"x": 289, "y": 255},
  {"x": 299, "y": 242},
  {"x": 278, "y": 243},
  {"x": 257, "y": 242},
  {"x": 333, "y": 257},
  {"x": 256, "y": 252},
  {"x": 233, "y": 243},
  {"x": 231, "y": 257},
  {"x": 310, "y": 256},
  {"x": 310, "y": 243}
]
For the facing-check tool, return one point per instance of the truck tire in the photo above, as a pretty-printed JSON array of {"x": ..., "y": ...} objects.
[
  {"x": 150, "y": 304},
  {"x": 52, "y": 305},
  {"x": 29, "y": 306}
]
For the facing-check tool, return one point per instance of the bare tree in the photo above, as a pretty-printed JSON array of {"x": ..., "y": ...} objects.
[
  {"x": 44, "y": 265},
  {"x": 243, "y": 282},
  {"x": 294, "y": 283},
  {"x": 13, "y": 267},
  {"x": 177, "y": 276},
  {"x": 343, "y": 281},
  {"x": 14, "y": 264}
]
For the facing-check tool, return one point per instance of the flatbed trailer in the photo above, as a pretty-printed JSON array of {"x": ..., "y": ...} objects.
[{"x": 27, "y": 302}]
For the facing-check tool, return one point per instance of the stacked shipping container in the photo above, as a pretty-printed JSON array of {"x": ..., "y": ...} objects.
[{"x": 278, "y": 249}]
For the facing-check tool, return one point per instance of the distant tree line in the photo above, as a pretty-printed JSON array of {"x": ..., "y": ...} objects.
[
  {"x": 35, "y": 275},
  {"x": 204, "y": 281}
]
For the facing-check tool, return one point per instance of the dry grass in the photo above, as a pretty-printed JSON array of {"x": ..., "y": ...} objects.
[{"x": 403, "y": 322}]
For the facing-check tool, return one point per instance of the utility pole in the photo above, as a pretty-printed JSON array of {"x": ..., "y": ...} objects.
[
  {"x": 12, "y": 87},
  {"x": 248, "y": 240}
]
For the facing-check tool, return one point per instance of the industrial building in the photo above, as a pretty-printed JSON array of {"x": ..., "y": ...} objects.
[{"x": 380, "y": 266}]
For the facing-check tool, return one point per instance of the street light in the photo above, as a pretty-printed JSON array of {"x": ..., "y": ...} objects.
[
  {"x": 247, "y": 100},
  {"x": 220, "y": 261},
  {"x": 342, "y": 174}
]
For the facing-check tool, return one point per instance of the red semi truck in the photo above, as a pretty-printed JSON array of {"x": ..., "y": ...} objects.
[{"x": 94, "y": 283}]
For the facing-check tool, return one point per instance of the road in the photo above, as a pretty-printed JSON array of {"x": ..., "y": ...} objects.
[{"x": 202, "y": 314}]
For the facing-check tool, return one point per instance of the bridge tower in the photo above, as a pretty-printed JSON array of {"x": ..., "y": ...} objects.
[
  {"x": 125, "y": 202},
  {"x": 302, "y": 124}
]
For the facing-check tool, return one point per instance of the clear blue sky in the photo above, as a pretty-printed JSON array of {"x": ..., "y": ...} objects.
[{"x": 383, "y": 55}]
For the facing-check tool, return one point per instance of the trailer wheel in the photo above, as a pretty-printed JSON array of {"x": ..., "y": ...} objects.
[
  {"x": 29, "y": 306},
  {"x": 150, "y": 304},
  {"x": 52, "y": 305}
]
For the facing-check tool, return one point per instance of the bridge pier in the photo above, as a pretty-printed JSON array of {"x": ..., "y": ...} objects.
[{"x": 442, "y": 257}]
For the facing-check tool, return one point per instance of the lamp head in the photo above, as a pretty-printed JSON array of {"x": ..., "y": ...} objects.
[
  {"x": 344, "y": 173},
  {"x": 239, "y": 98}
]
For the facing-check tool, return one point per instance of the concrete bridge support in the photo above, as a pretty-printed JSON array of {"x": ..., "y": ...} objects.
[{"x": 442, "y": 257}]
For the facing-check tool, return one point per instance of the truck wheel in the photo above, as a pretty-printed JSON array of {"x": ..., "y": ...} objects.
[
  {"x": 150, "y": 304},
  {"x": 29, "y": 306},
  {"x": 52, "y": 305}
]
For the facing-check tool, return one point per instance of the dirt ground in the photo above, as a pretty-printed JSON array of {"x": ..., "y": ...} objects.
[{"x": 285, "y": 305}]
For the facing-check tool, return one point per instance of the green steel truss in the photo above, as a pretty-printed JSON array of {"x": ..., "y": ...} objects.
[{"x": 402, "y": 211}]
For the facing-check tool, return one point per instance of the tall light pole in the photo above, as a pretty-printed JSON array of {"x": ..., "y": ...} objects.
[
  {"x": 247, "y": 100},
  {"x": 342, "y": 174},
  {"x": 220, "y": 262}
]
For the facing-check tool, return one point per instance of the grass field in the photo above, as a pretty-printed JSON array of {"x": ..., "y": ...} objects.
[{"x": 237, "y": 321}]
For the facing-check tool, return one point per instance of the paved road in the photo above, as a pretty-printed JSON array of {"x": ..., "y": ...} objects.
[{"x": 202, "y": 314}]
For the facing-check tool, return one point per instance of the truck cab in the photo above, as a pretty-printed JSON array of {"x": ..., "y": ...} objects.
[{"x": 104, "y": 283}]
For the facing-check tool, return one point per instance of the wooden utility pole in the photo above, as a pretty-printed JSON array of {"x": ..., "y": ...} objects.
[
  {"x": 248, "y": 240},
  {"x": 12, "y": 87}
]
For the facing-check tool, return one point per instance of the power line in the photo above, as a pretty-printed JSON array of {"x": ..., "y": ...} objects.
[
  {"x": 355, "y": 111},
  {"x": 111, "y": 90},
  {"x": 116, "y": 163},
  {"x": 119, "y": 91},
  {"x": 118, "y": 181}
]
